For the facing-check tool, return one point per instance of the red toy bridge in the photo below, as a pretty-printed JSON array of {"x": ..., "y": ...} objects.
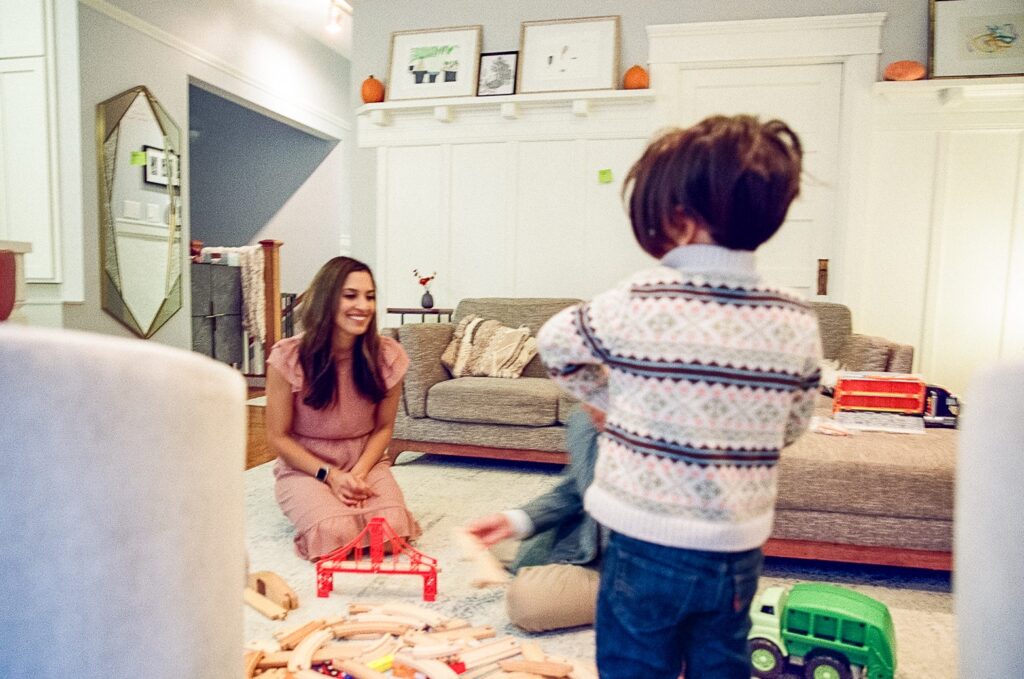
[{"x": 403, "y": 559}]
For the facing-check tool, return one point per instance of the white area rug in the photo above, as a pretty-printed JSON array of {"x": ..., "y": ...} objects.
[{"x": 445, "y": 493}]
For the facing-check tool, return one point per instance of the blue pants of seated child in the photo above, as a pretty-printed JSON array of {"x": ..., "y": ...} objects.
[{"x": 660, "y": 607}]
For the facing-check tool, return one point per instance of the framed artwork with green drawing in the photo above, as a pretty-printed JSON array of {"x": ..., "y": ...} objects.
[{"x": 436, "y": 62}]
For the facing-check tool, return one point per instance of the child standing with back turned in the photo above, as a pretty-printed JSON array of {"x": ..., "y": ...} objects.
[{"x": 705, "y": 373}]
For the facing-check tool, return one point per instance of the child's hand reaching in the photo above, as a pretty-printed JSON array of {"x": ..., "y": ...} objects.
[{"x": 491, "y": 529}]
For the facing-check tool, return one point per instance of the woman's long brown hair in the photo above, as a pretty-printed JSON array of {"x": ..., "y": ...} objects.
[{"x": 320, "y": 304}]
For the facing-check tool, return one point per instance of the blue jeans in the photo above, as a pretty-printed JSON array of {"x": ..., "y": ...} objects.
[{"x": 660, "y": 607}]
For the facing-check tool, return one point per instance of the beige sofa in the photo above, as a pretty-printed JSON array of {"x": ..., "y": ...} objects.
[{"x": 871, "y": 498}]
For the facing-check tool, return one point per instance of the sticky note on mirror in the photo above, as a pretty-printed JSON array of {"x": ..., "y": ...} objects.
[
  {"x": 138, "y": 157},
  {"x": 604, "y": 176}
]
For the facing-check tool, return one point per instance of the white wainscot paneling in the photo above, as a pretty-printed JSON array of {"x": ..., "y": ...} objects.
[
  {"x": 608, "y": 248},
  {"x": 482, "y": 239},
  {"x": 416, "y": 196},
  {"x": 25, "y": 196},
  {"x": 892, "y": 244},
  {"x": 973, "y": 238},
  {"x": 549, "y": 207},
  {"x": 515, "y": 205}
]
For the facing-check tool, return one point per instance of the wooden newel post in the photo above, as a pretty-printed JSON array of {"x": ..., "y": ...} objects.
[{"x": 272, "y": 286}]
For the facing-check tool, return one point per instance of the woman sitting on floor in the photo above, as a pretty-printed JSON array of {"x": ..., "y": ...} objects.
[{"x": 332, "y": 395}]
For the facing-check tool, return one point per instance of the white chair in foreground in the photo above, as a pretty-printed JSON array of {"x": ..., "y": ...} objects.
[
  {"x": 989, "y": 525},
  {"x": 121, "y": 509}
]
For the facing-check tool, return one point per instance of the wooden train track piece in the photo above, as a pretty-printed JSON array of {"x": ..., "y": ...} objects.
[
  {"x": 490, "y": 652},
  {"x": 374, "y": 616},
  {"x": 291, "y": 638},
  {"x": 432, "y": 619},
  {"x": 274, "y": 587},
  {"x": 489, "y": 570},
  {"x": 327, "y": 652},
  {"x": 433, "y": 669},
  {"x": 264, "y": 605},
  {"x": 302, "y": 656},
  {"x": 358, "y": 670},
  {"x": 545, "y": 668},
  {"x": 466, "y": 633},
  {"x": 482, "y": 671},
  {"x": 347, "y": 630},
  {"x": 252, "y": 660}
]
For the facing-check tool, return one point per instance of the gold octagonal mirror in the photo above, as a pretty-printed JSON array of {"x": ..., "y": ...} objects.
[{"x": 139, "y": 152}]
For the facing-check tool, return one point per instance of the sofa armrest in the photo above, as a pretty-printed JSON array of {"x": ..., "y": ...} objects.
[
  {"x": 389, "y": 332},
  {"x": 424, "y": 343}
]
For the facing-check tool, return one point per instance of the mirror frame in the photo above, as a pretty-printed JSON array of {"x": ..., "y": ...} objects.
[{"x": 109, "y": 114}]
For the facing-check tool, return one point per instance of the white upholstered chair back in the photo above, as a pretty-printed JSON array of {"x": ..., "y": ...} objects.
[
  {"x": 121, "y": 509},
  {"x": 988, "y": 548}
]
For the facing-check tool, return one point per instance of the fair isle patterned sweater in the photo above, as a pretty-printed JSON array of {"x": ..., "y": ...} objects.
[{"x": 705, "y": 373}]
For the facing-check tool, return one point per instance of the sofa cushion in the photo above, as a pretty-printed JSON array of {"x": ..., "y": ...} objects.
[
  {"x": 485, "y": 348},
  {"x": 566, "y": 405},
  {"x": 514, "y": 312},
  {"x": 870, "y": 473},
  {"x": 866, "y": 354},
  {"x": 529, "y": 401}
]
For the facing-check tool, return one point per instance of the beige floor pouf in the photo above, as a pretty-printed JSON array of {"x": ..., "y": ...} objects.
[{"x": 121, "y": 509}]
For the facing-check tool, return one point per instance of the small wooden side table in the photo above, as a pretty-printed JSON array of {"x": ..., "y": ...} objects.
[{"x": 422, "y": 313}]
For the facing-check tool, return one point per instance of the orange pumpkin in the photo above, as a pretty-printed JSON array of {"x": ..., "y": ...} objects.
[
  {"x": 373, "y": 91},
  {"x": 904, "y": 70},
  {"x": 636, "y": 78}
]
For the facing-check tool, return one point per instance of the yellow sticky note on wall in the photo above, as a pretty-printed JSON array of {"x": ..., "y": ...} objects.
[
  {"x": 604, "y": 176},
  {"x": 138, "y": 157}
]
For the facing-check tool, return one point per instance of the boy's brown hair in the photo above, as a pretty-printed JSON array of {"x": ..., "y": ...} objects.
[{"x": 733, "y": 176}]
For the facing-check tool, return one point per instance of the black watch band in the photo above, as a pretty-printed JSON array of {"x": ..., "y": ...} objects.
[{"x": 321, "y": 474}]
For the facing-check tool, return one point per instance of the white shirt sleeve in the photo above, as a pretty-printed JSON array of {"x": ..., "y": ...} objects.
[{"x": 521, "y": 523}]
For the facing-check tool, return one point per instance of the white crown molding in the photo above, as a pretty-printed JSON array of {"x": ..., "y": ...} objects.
[
  {"x": 330, "y": 123},
  {"x": 790, "y": 38}
]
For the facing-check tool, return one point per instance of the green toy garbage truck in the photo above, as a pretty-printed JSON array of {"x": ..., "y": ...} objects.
[{"x": 834, "y": 632}]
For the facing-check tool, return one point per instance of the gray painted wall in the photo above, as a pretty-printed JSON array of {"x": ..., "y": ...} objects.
[
  {"x": 243, "y": 167},
  {"x": 904, "y": 36},
  {"x": 277, "y": 67}
]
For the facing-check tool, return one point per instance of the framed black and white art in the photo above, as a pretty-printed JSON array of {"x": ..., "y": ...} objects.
[{"x": 497, "y": 73}]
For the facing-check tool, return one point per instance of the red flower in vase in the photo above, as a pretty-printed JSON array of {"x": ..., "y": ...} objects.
[{"x": 424, "y": 280}]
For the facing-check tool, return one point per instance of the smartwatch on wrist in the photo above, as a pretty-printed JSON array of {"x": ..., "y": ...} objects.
[{"x": 321, "y": 474}]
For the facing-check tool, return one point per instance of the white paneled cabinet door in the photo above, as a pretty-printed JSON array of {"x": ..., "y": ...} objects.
[
  {"x": 415, "y": 189},
  {"x": 807, "y": 98},
  {"x": 25, "y": 195}
]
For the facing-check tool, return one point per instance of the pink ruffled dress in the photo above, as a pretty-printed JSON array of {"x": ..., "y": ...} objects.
[{"x": 337, "y": 435}]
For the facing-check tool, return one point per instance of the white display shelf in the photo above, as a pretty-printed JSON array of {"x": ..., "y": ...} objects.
[
  {"x": 507, "y": 106},
  {"x": 954, "y": 92}
]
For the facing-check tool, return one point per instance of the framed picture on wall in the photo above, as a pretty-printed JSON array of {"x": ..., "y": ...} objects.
[
  {"x": 497, "y": 73},
  {"x": 437, "y": 62},
  {"x": 972, "y": 38},
  {"x": 569, "y": 54},
  {"x": 161, "y": 167}
]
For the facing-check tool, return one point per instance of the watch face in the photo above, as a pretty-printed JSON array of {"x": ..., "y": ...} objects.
[{"x": 321, "y": 474}]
